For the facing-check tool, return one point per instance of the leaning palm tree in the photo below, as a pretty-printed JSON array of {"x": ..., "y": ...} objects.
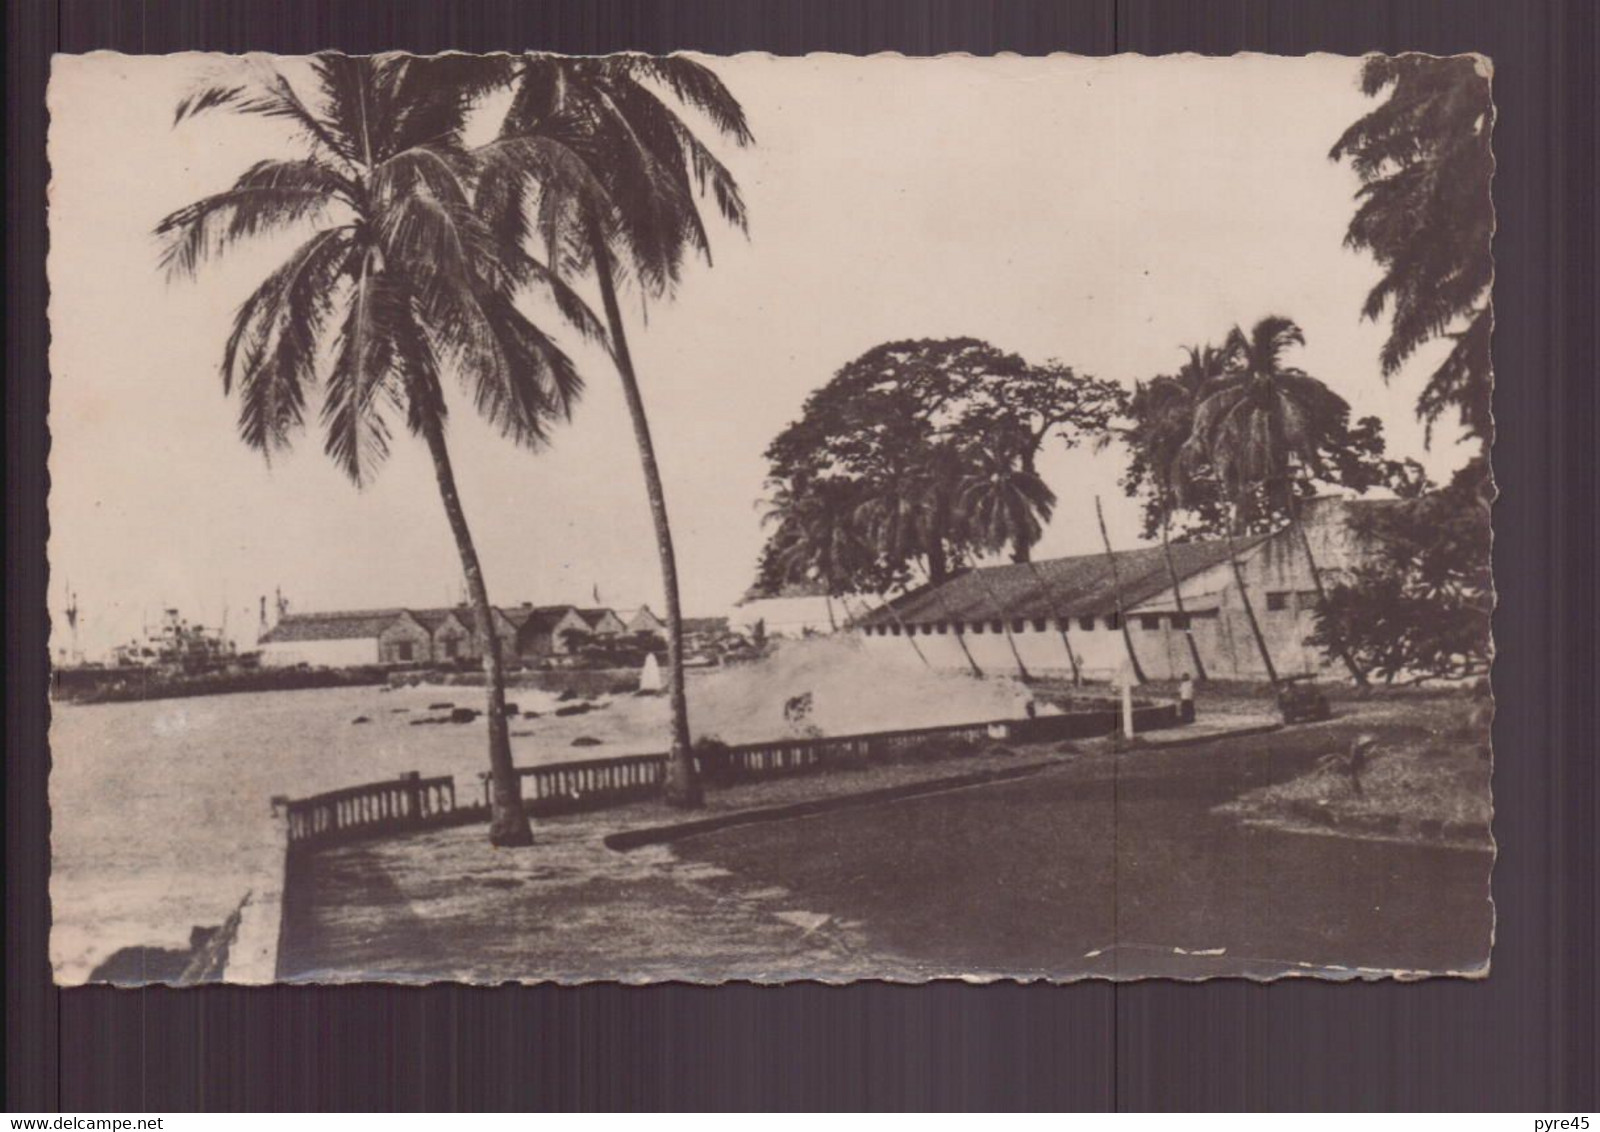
[
  {"x": 786, "y": 510},
  {"x": 817, "y": 540},
  {"x": 1163, "y": 414},
  {"x": 1264, "y": 425},
  {"x": 1002, "y": 503},
  {"x": 893, "y": 516},
  {"x": 616, "y": 177},
  {"x": 1116, "y": 595},
  {"x": 397, "y": 258}
]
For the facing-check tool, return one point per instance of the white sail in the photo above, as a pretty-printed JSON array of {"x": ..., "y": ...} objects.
[{"x": 650, "y": 674}]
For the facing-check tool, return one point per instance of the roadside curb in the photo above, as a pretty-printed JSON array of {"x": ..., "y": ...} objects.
[
  {"x": 1210, "y": 737},
  {"x": 662, "y": 834}
]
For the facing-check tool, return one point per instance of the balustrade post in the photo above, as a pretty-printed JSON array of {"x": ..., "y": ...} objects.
[{"x": 412, "y": 783}]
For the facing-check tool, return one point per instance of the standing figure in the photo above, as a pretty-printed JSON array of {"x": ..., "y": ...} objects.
[{"x": 1186, "y": 699}]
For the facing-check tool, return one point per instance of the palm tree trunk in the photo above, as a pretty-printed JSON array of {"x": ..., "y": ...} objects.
[
  {"x": 1061, "y": 622},
  {"x": 888, "y": 607},
  {"x": 1177, "y": 597},
  {"x": 1335, "y": 639},
  {"x": 961, "y": 638},
  {"x": 682, "y": 787},
  {"x": 833, "y": 622},
  {"x": 1244, "y": 597},
  {"x": 508, "y": 824},
  {"x": 1005, "y": 622},
  {"x": 1116, "y": 593}
]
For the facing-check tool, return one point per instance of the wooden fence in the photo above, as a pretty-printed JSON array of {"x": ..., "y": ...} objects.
[{"x": 413, "y": 802}]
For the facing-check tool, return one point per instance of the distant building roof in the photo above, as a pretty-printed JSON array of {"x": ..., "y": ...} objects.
[
  {"x": 705, "y": 625},
  {"x": 595, "y": 616},
  {"x": 541, "y": 619},
  {"x": 344, "y": 625},
  {"x": 432, "y": 618},
  {"x": 1082, "y": 585}
]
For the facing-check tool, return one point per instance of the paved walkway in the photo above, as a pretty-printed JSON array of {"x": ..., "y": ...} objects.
[
  {"x": 1111, "y": 865},
  {"x": 446, "y": 905}
]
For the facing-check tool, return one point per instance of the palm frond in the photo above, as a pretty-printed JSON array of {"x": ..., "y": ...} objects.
[
  {"x": 695, "y": 85},
  {"x": 361, "y": 385},
  {"x": 268, "y": 196},
  {"x": 271, "y": 354}
]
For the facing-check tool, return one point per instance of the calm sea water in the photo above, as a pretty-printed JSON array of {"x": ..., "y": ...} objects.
[{"x": 161, "y": 810}]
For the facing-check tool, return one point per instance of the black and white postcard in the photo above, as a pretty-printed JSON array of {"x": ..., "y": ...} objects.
[{"x": 633, "y": 518}]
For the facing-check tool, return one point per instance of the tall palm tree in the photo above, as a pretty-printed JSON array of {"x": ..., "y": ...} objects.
[
  {"x": 398, "y": 258},
  {"x": 1163, "y": 413},
  {"x": 893, "y": 517},
  {"x": 616, "y": 177},
  {"x": 818, "y": 540},
  {"x": 1264, "y": 425},
  {"x": 873, "y": 538},
  {"x": 1002, "y": 503},
  {"x": 1116, "y": 594}
]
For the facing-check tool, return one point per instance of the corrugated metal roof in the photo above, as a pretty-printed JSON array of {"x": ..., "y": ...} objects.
[{"x": 1070, "y": 587}]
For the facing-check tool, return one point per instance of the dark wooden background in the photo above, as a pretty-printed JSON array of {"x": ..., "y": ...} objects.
[{"x": 1524, "y": 1039}]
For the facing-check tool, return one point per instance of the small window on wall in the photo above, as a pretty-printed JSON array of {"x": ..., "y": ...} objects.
[
  {"x": 894, "y": 630},
  {"x": 1086, "y": 624},
  {"x": 1180, "y": 620},
  {"x": 998, "y": 626},
  {"x": 943, "y": 627},
  {"x": 977, "y": 626},
  {"x": 1019, "y": 625},
  {"x": 1307, "y": 599},
  {"x": 1150, "y": 621},
  {"x": 1277, "y": 601},
  {"x": 403, "y": 650},
  {"x": 1113, "y": 621},
  {"x": 1040, "y": 625}
]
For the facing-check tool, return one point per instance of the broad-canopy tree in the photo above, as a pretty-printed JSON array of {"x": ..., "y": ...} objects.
[
  {"x": 397, "y": 281},
  {"x": 1425, "y": 214},
  {"x": 912, "y": 422},
  {"x": 1420, "y": 606}
]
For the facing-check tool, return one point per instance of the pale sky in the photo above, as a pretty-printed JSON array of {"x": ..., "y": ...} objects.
[{"x": 1099, "y": 211}]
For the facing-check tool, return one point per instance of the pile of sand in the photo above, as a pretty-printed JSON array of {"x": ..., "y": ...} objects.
[{"x": 850, "y": 691}]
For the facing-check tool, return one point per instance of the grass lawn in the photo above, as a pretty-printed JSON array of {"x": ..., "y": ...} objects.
[{"x": 1426, "y": 780}]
